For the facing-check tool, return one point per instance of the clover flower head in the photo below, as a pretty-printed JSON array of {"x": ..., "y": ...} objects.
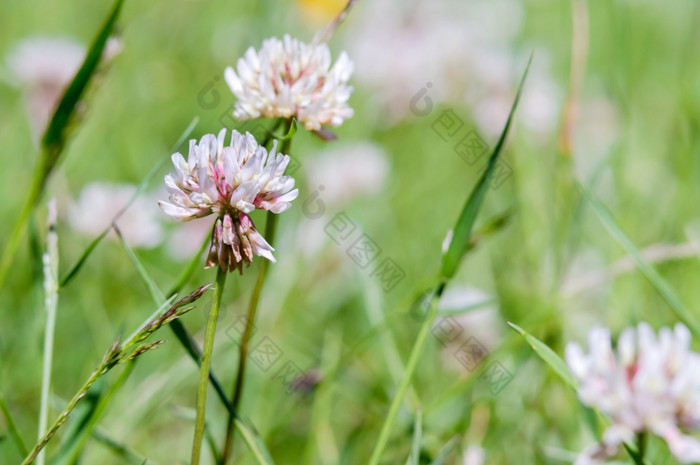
[
  {"x": 289, "y": 78},
  {"x": 229, "y": 181},
  {"x": 648, "y": 384}
]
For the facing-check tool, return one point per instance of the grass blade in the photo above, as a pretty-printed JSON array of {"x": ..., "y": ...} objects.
[
  {"x": 50, "y": 260},
  {"x": 12, "y": 427},
  {"x": 462, "y": 230},
  {"x": 120, "y": 449},
  {"x": 649, "y": 272},
  {"x": 547, "y": 355},
  {"x": 55, "y": 136},
  {"x": 451, "y": 261},
  {"x": 445, "y": 452},
  {"x": 414, "y": 459},
  {"x": 254, "y": 442},
  {"x": 191, "y": 268},
  {"x": 155, "y": 292}
]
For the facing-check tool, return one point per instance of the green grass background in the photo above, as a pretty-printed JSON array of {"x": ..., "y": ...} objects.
[{"x": 644, "y": 56}]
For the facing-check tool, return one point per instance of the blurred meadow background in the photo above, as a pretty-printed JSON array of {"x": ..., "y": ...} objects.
[{"x": 612, "y": 101}]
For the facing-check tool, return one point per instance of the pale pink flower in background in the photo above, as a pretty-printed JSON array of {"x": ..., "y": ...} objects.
[
  {"x": 338, "y": 175},
  {"x": 540, "y": 104},
  {"x": 349, "y": 170},
  {"x": 185, "y": 240},
  {"x": 289, "y": 78},
  {"x": 100, "y": 202},
  {"x": 474, "y": 455},
  {"x": 448, "y": 51},
  {"x": 229, "y": 181},
  {"x": 648, "y": 384},
  {"x": 44, "y": 67}
]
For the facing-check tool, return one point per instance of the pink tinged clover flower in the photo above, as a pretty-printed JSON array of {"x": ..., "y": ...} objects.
[
  {"x": 647, "y": 384},
  {"x": 229, "y": 181},
  {"x": 288, "y": 78}
]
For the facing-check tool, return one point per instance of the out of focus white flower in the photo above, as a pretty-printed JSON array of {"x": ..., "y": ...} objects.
[
  {"x": 44, "y": 67},
  {"x": 347, "y": 171},
  {"x": 474, "y": 455},
  {"x": 288, "y": 78},
  {"x": 448, "y": 51},
  {"x": 648, "y": 384},
  {"x": 185, "y": 240},
  {"x": 230, "y": 182},
  {"x": 99, "y": 203}
]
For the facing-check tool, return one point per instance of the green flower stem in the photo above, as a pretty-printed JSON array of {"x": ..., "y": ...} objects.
[
  {"x": 245, "y": 339},
  {"x": 406, "y": 382},
  {"x": 206, "y": 364},
  {"x": 270, "y": 228}
]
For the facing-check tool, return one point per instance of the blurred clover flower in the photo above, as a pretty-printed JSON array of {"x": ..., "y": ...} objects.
[
  {"x": 649, "y": 384},
  {"x": 347, "y": 171},
  {"x": 288, "y": 78},
  {"x": 98, "y": 204},
  {"x": 230, "y": 182}
]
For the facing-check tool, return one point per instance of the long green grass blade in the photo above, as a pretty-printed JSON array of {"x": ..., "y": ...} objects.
[
  {"x": 547, "y": 355},
  {"x": 451, "y": 261},
  {"x": 12, "y": 427},
  {"x": 121, "y": 450},
  {"x": 55, "y": 136},
  {"x": 445, "y": 452},
  {"x": 50, "y": 260},
  {"x": 414, "y": 459},
  {"x": 155, "y": 292},
  {"x": 191, "y": 268},
  {"x": 649, "y": 272},
  {"x": 254, "y": 442},
  {"x": 462, "y": 230}
]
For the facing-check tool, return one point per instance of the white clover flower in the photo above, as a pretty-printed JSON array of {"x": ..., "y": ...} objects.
[
  {"x": 648, "y": 384},
  {"x": 100, "y": 202},
  {"x": 288, "y": 78},
  {"x": 229, "y": 181}
]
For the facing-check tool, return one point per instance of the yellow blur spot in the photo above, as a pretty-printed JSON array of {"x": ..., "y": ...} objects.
[{"x": 320, "y": 12}]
